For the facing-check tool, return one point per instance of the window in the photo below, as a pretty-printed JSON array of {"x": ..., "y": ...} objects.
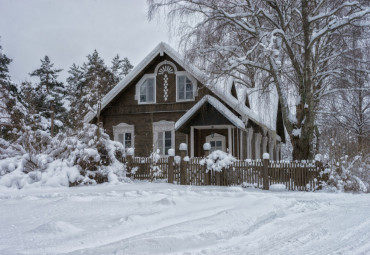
[
  {"x": 216, "y": 145},
  {"x": 164, "y": 142},
  {"x": 164, "y": 136},
  {"x": 185, "y": 89},
  {"x": 124, "y": 134},
  {"x": 147, "y": 91},
  {"x": 125, "y": 139},
  {"x": 217, "y": 141}
]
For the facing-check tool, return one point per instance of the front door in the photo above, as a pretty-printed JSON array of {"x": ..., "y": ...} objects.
[{"x": 217, "y": 141}]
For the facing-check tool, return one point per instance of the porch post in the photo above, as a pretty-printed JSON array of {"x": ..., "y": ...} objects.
[
  {"x": 264, "y": 144},
  {"x": 271, "y": 148},
  {"x": 230, "y": 141},
  {"x": 192, "y": 142}
]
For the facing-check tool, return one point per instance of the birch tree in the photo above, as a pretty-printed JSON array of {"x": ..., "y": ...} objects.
[{"x": 291, "y": 45}]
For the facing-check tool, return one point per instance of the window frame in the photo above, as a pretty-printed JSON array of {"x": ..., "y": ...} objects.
[
  {"x": 217, "y": 137},
  {"x": 140, "y": 83},
  {"x": 193, "y": 81},
  {"x": 124, "y": 128},
  {"x": 163, "y": 126}
]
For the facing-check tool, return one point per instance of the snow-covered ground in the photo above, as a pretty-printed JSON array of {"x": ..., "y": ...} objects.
[{"x": 159, "y": 218}]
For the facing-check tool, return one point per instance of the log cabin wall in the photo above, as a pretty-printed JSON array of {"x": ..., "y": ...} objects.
[{"x": 126, "y": 109}]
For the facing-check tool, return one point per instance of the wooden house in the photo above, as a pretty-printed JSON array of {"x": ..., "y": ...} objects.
[{"x": 165, "y": 101}]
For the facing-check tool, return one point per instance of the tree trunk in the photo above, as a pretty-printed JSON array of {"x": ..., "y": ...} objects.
[
  {"x": 52, "y": 119},
  {"x": 301, "y": 148}
]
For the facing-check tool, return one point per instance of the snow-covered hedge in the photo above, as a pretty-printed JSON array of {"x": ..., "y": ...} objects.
[
  {"x": 347, "y": 175},
  {"x": 64, "y": 160},
  {"x": 217, "y": 160}
]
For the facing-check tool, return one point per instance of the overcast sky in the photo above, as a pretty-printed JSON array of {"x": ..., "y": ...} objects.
[{"x": 68, "y": 30}]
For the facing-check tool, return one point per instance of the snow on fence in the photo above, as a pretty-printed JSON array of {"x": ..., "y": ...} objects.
[{"x": 296, "y": 175}]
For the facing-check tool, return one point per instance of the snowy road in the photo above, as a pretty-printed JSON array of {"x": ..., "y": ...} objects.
[{"x": 167, "y": 219}]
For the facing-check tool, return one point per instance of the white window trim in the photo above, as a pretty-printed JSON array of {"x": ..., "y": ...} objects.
[
  {"x": 162, "y": 126},
  {"x": 123, "y": 128},
  {"x": 249, "y": 143},
  {"x": 217, "y": 137},
  {"x": 193, "y": 80},
  {"x": 138, "y": 85}
]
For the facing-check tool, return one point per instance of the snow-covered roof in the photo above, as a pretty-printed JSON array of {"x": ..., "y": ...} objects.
[
  {"x": 217, "y": 105},
  {"x": 160, "y": 49},
  {"x": 258, "y": 112}
]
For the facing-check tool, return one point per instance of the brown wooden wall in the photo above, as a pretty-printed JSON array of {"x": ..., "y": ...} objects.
[{"x": 125, "y": 108}]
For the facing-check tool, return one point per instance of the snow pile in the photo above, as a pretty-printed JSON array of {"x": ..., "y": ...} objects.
[
  {"x": 65, "y": 160},
  {"x": 218, "y": 160},
  {"x": 183, "y": 147},
  {"x": 277, "y": 187},
  {"x": 207, "y": 146}
]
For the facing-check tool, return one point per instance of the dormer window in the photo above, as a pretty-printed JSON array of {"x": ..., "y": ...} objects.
[
  {"x": 147, "y": 91},
  {"x": 185, "y": 88}
]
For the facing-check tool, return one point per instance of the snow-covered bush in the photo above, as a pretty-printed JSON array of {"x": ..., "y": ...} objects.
[
  {"x": 217, "y": 160},
  {"x": 347, "y": 175},
  {"x": 65, "y": 160},
  {"x": 154, "y": 169}
]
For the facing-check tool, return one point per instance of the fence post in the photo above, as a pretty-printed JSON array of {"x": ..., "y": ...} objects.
[
  {"x": 129, "y": 155},
  {"x": 266, "y": 159},
  {"x": 171, "y": 154},
  {"x": 183, "y": 163},
  {"x": 218, "y": 178},
  {"x": 207, "y": 148}
]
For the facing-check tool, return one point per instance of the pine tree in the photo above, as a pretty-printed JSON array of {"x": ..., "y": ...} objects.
[
  {"x": 50, "y": 93},
  {"x": 86, "y": 87},
  {"x": 120, "y": 68},
  {"x": 11, "y": 108},
  {"x": 99, "y": 80},
  {"x": 75, "y": 90}
]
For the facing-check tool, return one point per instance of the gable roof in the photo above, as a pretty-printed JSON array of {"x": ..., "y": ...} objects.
[
  {"x": 220, "y": 89},
  {"x": 217, "y": 105}
]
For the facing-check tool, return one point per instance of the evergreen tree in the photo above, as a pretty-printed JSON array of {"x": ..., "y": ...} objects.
[
  {"x": 50, "y": 93},
  {"x": 75, "y": 90},
  {"x": 99, "y": 80},
  {"x": 11, "y": 109},
  {"x": 120, "y": 68},
  {"x": 87, "y": 85}
]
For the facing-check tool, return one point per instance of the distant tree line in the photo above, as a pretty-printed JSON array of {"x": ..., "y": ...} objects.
[{"x": 51, "y": 105}]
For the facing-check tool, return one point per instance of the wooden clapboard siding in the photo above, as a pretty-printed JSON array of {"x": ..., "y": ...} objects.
[{"x": 124, "y": 108}]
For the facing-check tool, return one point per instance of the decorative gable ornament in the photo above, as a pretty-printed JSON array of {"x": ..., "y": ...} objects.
[{"x": 165, "y": 70}]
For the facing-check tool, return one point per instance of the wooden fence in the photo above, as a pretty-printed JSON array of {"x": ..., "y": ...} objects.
[{"x": 297, "y": 175}]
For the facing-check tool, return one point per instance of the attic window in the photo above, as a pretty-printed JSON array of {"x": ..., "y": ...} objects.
[
  {"x": 147, "y": 91},
  {"x": 185, "y": 88}
]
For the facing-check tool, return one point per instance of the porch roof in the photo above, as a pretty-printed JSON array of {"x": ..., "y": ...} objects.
[{"x": 217, "y": 105}]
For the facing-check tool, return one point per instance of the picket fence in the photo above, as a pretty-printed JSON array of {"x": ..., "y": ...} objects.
[{"x": 296, "y": 175}]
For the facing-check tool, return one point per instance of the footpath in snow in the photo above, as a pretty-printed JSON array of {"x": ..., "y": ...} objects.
[{"x": 159, "y": 218}]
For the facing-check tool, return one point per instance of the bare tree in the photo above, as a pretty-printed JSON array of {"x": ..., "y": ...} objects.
[
  {"x": 347, "y": 112},
  {"x": 293, "y": 45}
]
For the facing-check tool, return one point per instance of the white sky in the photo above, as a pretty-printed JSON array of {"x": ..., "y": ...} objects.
[{"x": 68, "y": 30}]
